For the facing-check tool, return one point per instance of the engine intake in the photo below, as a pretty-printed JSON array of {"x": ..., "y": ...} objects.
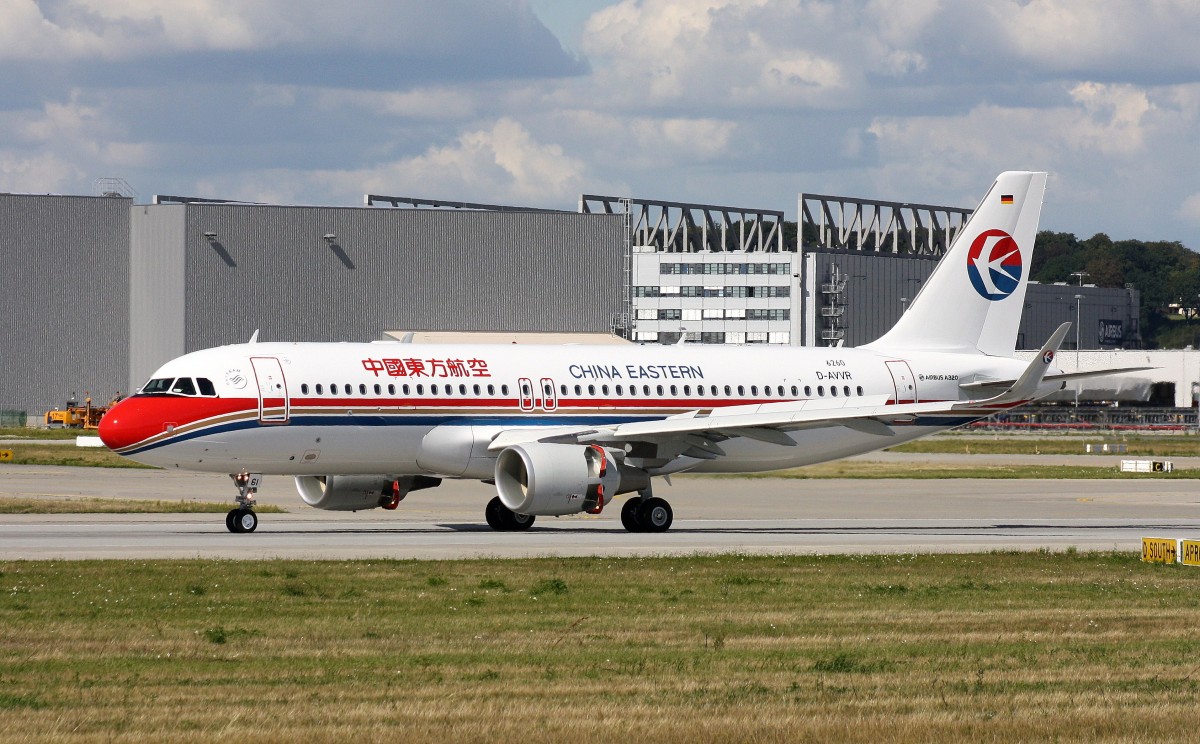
[
  {"x": 557, "y": 479},
  {"x": 359, "y": 492}
]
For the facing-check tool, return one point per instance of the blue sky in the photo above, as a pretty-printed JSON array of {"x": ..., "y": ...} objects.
[{"x": 737, "y": 102}]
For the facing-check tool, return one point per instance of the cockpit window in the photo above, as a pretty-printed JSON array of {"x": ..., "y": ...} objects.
[
  {"x": 161, "y": 385},
  {"x": 184, "y": 386},
  {"x": 179, "y": 386}
]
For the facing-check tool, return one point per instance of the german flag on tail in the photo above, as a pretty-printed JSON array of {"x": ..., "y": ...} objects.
[{"x": 1006, "y": 198}]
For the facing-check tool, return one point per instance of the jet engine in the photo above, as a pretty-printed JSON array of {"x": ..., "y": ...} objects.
[
  {"x": 358, "y": 492},
  {"x": 556, "y": 479}
]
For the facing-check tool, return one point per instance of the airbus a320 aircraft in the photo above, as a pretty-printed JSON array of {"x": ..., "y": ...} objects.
[{"x": 565, "y": 429}]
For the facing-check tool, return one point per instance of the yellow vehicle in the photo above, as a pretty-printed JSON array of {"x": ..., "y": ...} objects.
[{"x": 76, "y": 416}]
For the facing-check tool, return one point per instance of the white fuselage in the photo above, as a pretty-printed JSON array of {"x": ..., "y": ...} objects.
[{"x": 395, "y": 408}]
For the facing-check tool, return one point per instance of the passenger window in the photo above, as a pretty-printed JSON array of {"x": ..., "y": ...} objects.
[
  {"x": 807, "y": 391},
  {"x": 320, "y": 389},
  {"x": 504, "y": 389},
  {"x": 754, "y": 389},
  {"x": 728, "y": 390},
  {"x": 781, "y": 393},
  {"x": 562, "y": 389},
  {"x": 206, "y": 386},
  {"x": 660, "y": 390},
  {"x": 619, "y": 392},
  {"x": 860, "y": 392},
  {"x": 604, "y": 389},
  {"x": 184, "y": 386},
  {"x": 333, "y": 389},
  {"x": 578, "y": 390},
  {"x": 420, "y": 389},
  {"x": 391, "y": 389},
  {"x": 633, "y": 391},
  {"x": 475, "y": 389},
  {"x": 795, "y": 392},
  {"x": 741, "y": 390},
  {"x": 449, "y": 389},
  {"x": 491, "y": 389},
  {"x": 821, "y": 390},
  {"x": 378, "y": 390},
  {"x": 846, "y": 390},
  {"x": 591, "y": 389},
  {"x": 833, "y": 390},
  {"x": 687, "y": 389},
  {"x": 646, "y": 390},
  {"x": 674, "y": 390},
  {"x": 304, "y": 388},
  {"x": 404, "y": 389},
  {"x": 362, "y": 389}
]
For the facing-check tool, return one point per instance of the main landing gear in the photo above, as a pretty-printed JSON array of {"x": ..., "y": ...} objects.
[
  {"x": 502, "y": 519},
  {"x": 647, "y": 513},
  {"x": 243, "y": 518}
]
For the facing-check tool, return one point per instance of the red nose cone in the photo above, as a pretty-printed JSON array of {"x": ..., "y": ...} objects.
[{"x": 129, "y": 422}]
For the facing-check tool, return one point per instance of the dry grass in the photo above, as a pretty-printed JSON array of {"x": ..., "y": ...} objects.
[
  {"x": 1138, "y": 445},
  {"x": 63, "y": 454},
  {"x": 754, "y": 649},
  {"x": 87, "y": 505},
  {"x": 924, "y": 471}
]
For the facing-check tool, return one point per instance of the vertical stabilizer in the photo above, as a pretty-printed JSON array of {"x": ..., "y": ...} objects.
[{"x": 973, "y": 301}]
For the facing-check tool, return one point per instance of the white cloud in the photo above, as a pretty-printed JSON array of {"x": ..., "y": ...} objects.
[
  {"x": 1114, "y": 35},
  {"x": 38, "y": 173},
  {"x": 425, "y": 104},
  {"x": 502, "y": 163},
  {"x": 1189, "y": 210}
]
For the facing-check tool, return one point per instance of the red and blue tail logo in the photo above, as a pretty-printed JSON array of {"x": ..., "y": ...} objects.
[{"x": 994, "y": 264}]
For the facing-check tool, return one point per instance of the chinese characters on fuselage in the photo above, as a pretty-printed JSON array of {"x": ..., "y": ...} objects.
[{"x": 413, "y": 367}]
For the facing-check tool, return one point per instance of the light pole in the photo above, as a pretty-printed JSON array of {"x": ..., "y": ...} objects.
[{"x": 1078, "y": 302}]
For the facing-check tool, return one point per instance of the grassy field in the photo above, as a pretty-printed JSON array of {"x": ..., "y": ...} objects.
[
  {"x": 920, "y": 471},
  {"x": 28, "y": 432},
  {"x": 71, "y": 505},
  {"x": 950, "y": 648},
  {"x": 982, "y": 444},
  {"x": 34, "y": 453}
]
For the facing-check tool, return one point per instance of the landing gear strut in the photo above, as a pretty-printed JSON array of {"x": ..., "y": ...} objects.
[
  {"x": 243, "y": 518},
  {"x": 502, "y": 519},
  {"x": 647, "y": 513}
]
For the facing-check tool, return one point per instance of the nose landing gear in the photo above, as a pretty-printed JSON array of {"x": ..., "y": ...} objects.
[{"x": 243, "y": 518}]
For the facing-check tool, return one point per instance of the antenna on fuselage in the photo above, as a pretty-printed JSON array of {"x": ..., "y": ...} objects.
[{"x": 253, "y": 337}]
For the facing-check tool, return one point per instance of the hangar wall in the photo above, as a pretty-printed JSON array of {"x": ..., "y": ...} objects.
[
  {"x": 271, "y": 268},
  {"x": 64, "y": 285}
]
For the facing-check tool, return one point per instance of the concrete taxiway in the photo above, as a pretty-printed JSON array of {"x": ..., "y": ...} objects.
[{"x": 752, "y": 515}]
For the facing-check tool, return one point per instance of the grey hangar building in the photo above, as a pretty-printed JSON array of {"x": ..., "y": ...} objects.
[{"x": 98, "y": 291}]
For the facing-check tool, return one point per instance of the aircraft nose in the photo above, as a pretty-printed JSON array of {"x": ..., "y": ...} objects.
[{"x": 125, "y": 424}]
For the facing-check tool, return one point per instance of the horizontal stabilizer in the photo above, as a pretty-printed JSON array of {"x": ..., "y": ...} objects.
[{"x": 1025, "y": 387}]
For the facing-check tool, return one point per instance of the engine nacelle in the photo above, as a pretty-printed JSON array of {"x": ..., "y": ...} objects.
[
  {"x": 359, "y": 492},
  {"x": 556, "y": 479}
]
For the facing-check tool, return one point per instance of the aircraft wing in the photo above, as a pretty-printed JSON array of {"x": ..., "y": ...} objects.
[
  {"x": 1061, "y": 377},
  {"x": 696, "y": 433}
]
